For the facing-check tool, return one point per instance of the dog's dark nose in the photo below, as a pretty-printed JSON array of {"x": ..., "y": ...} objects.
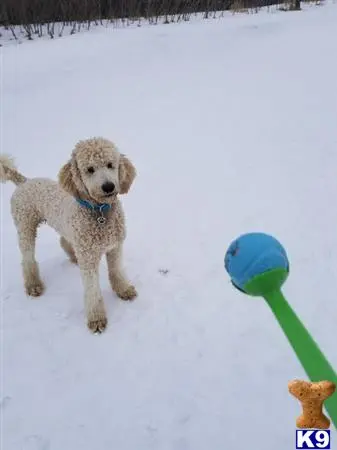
[{"x": 108, "y": 187}]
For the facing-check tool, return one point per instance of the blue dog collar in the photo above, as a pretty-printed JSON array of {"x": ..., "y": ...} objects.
[{"x": 96, "y": 207}]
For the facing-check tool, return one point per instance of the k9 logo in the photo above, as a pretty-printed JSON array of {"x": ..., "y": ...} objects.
[{"x": 312, "y": 439}]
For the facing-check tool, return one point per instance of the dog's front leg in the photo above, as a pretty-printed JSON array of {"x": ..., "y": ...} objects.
[
  {"x": 118, "y": 281},
  {"x": 93, "y": 299}
]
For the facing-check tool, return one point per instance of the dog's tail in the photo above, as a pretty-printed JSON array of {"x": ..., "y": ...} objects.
[{"x": 8, "y": 171}]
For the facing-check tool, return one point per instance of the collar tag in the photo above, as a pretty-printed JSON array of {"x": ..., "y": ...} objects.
[{"x": 101, "y": 220}]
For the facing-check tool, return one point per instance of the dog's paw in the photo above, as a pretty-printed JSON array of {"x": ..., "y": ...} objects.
[
  {"x": 97, "y": 324},
  {"x": 129, "y": 293},
  {"x": 36, "y": 289}
]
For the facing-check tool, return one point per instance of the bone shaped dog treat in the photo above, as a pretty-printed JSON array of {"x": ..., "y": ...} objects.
[{"x": 312, "y": 397}]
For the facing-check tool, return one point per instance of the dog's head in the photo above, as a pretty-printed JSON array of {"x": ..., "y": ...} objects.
[{"x": 97, "y": 171}]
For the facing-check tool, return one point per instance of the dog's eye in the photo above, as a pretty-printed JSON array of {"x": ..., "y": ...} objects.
[
  {"x": 110, "y": 166},
  {"x": 91, "y": 169}
]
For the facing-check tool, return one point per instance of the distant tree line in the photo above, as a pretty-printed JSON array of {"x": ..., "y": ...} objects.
[
  {"x": 37, "y": 18},
  {"x": 23, "y": 12}
]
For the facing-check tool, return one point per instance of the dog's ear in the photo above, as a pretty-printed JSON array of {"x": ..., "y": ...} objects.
[
  {"x": 66, "y": 179},
  {"x": 127, "y": 174}
]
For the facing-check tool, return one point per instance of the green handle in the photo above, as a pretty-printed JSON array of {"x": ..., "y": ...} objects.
[{"x": 312, "y": 359}]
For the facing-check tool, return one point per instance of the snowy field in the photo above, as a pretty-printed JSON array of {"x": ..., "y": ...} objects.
[{"x": 231, "y": 124}]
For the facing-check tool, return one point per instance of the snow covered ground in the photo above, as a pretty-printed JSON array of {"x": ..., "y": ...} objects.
[{"x": 231, "y": 124}]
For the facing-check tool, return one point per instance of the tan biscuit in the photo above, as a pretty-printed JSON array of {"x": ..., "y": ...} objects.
[{"x": 312, "y": 397}]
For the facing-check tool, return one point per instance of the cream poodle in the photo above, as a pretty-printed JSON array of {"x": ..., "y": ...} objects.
[{"x": 85, "y": 210}]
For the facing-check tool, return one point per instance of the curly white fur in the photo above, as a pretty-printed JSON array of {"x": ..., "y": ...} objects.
[{"x": 94, "y": 163}]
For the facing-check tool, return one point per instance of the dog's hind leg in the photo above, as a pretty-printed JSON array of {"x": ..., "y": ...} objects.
[
  {"x": 67, "y": 247},
  {"x": 27, "y": 232}
]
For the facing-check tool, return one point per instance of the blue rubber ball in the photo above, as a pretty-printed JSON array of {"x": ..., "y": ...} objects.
[{"x": 253, "y": 254}]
